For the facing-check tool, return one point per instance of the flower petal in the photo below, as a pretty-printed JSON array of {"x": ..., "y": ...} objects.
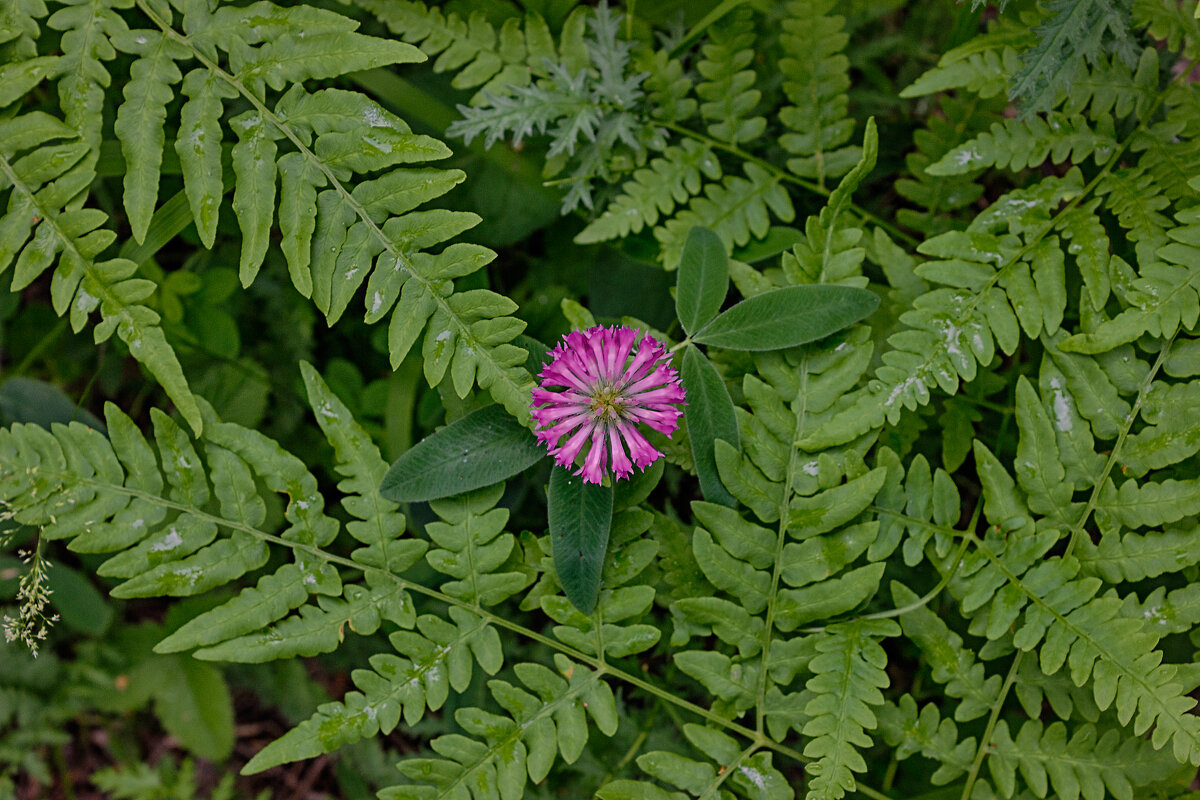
[
  {"x": 593, "y": 465},
  {"x": 644, "y": 454},
  {"x": 621, "y": 465},
  {"x": 565, "y": 455}
]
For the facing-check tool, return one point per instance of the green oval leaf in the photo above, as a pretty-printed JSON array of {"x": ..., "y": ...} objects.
[
  {"x": 539, "y": 354},
  {"x": 580, "y": 516},
  {"x": 788, "y": 317},
  {"x": 484, "y": 447},
  {"x": 77, "y": 601},
  {"x": 194, "y": 705},
  {"x": 30, "y": 400},
  {"x": 632, "y": 491},
  {"x": 703, "y": 279},
  {"x": 709, "y": 416}
]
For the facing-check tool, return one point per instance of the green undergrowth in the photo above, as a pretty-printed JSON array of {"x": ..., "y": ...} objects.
[{"x": 254, "y": 253}]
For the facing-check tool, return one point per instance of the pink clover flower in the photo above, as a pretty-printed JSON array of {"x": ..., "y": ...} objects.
[{"x": 596, "y": 390}]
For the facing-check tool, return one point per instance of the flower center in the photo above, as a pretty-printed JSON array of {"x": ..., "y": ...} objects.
[{"x": 607, "y": 403}]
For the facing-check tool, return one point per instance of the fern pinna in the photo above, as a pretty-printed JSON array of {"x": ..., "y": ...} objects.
[{"x": 947, "y": 549}]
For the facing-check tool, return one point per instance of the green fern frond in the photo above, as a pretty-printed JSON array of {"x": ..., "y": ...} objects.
[
  {"x": 809, "y": 568},
  {"x": 1135, "y": 199},
  {"x": 928, "y": 734},
  {"x": 921, "y": 496},
  {"x": 815, "y": 81},
  {"x": 1073, "y": 435},
  {"x": 88, "y": 27},
  {"x": 1161, "y": 300},
  {"x": 428, "y": 666},
  {"x": 983, "y": 66},
  {"x": 735, "y": 209},
  {"x": 668, "y": 89},
  {"x": 1135, "y": 557},
  {"x": 1173, "y": 22},
  {"x": 478, "y": 54},
  {"x": 1087, "y": 763},
  {"x": 731, "y": 682},
  {"x": 771, "y": 430},
  {"x": 1147, "y": 503},
  {"x": 654, "y": 190},
  {"x": 952, "y": 331},
  {"x": 73, "y": 481},
  {"x": 1071, "y": 623},
  {"x": 334, "y": 224},
  {"x": 1172, "y": 433},
  {"x": 1094, "y": 387},
  {"x": 940, "y": 195},
  {"x": 1089, "y": 243},
  {"x": 1072, "y": 34},
  {"x": 44, "y": 226},
  {"x": 252, "y": 626},
  {"x": 1112, "y": 86},
  {"x": 616, "y": 628},
  {"x": 1166, "y": 612},
  {"x": 471, "y": 545},
  {"x": 736, "y": 563},
  {"x": 1039, "y": 465},
  {"x": 259, "y": 34},
  {"x": 848, "y": 673},
  {"x": 951, "y": 663},
  {"x": 749, "y": 772},
  {"x": 1017, "y": 144},
  {"x": 1037, "y": 691},
  {"x": 1170, "y": 156},
  {"x": 502, "y": 753},
  {"x": 178, "y": 547},
  {"x": 376, "y": 520},
  {"x": 727, "y": 85},
  {"x": 19, "y": 26},
  {"x": 725, "y": 619}
]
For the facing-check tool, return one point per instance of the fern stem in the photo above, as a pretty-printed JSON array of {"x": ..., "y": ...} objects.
[
  {"x": 710, "y": 19},
  {"x": 985, "y": 740},
  {"x": 634, "y": 748},
  {"x": 39, "y": 347},
  {"x": 598, "y": 621},
  {"x": 1143, "y": 390},
  {"x": 725, "y": 771},
  {"x": 924, "y": 599},
  {"x": 785, "y": 500},
  {"x": 787, "y": 177}
]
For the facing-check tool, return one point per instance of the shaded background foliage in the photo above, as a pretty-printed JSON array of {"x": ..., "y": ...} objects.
[{"x": 949, "y": 551}]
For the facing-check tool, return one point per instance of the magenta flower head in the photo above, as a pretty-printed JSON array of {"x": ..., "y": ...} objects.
[{"x": 597, "y": 389}]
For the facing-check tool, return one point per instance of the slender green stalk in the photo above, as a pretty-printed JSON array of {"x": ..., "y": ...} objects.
[
  {"x": 39, "y": 347},
  {"x": 985, "y": 740}
]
